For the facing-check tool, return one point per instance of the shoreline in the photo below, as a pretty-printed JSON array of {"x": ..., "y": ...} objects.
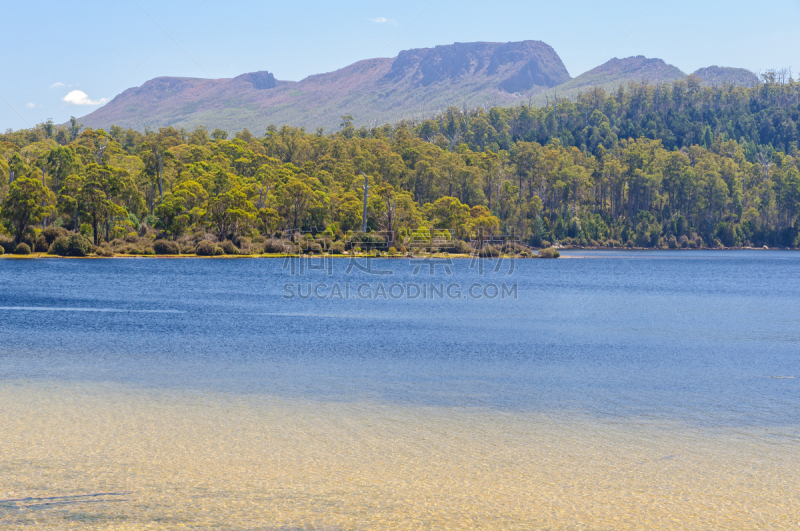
[{"x": 9, "y": 256}]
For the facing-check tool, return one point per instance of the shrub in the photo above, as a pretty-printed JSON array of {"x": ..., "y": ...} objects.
[
  {"x": 2, "y": 251},
  {"x": 41, "y": 245},
  {"x": 204, "y": 248},
  {"x": 72, "y": 245},
  {"x": 208, "y": 248},
  {"x": 525, "y": 253},
  {"x": 545, "y": 244},
  {"x": 22, "y": 248},
  {"x": 337, "y": 248},
  {"x": 511, "y": 248},
  {"x": 549, "y": 252},
  {"x": 228, "y": 247},
  {"x": 460, "y": 247},
  {"x": 29, "y": 238},
  {"x": 392, "y": 251},
  {"x": 244, "y": 245},
  {"x": 489, "y": 251},
  {"x": 106, "y": 252},
  {"x": 403, "y": 249},
  {"x": 369, "y": 237},
  {"x": 132, "y": 237},
  {"x": 141, "y": 251},
  {"x": 684, "y": 241},
  {"x": 672, "y": 242},
  {"x": 187, "y": 249},
  {"x": 51, "y": 234},
  {"x": 274, "y": 247},
  {"x": 166, "y": 247},
  {"x": 7, "y": 244}
]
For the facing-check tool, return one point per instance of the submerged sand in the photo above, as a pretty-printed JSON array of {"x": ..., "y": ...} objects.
[{"x": 96, "y": 456}]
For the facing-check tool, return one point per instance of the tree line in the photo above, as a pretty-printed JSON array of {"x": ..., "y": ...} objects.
[{"x": 669, "y": 165}]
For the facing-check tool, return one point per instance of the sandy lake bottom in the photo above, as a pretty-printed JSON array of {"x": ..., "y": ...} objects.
[{"x": 98, "y": 456}]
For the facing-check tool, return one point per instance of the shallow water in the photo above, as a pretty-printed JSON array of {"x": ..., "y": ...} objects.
[{"x": 618, "y": 391}]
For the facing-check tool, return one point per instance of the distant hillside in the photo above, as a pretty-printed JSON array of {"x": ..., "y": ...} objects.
[
  {"x": 721, "y": 75},
  {"x": 376, "y": 91},
  {"x": 616, "y": 72}
]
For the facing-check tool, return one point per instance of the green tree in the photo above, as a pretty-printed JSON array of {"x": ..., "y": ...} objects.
[
  {"x": 295, "y": 199},
  {"x": 173, "y": 215},
  {"x": 219, "y": 134},
  {"x": 61, "y": 162},
  {"x": 28, "y": 202},
  {"x": 230, "y": 213}
]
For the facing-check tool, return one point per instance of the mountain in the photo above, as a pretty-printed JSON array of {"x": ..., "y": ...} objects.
[
  {"x": 616, "y": 72},
  {"x": 721, "y": 75},
  {"x": 416, "y": 83},
  {"x": 377, "y": 91}
]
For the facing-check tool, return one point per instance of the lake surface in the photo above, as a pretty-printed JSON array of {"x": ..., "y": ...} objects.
[
  {"x": 686, "y": 336},
  {"x": 521, "y": 393}
]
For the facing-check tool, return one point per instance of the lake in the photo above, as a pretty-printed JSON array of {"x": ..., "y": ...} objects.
[{"x": 603, "y": 390}]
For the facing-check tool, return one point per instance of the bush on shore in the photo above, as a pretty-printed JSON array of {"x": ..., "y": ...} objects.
[
  {"x": 51, "y": 234},
  {"x": 208, "y": 248},
  {"x": 272, "y": 246},
  {"x": 489, "y": 251},
  {"x": 550, "y": 252},
  {"x": 22, "y": 248},
  {"x": 72, "y": 245},
  {"x": 228, "y": 247},
  {"x": 166, "y": 247},
  {"x": 41, "y": 245},
  {"x": 459, "y": 247},
  {"x": 8, "y": 244}
]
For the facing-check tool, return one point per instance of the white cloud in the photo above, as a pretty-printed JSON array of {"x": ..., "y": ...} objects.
[
  {"x": 79, "y": 97},
  {"x": 30, "y": 105},
  {"x": 57, "y": 85},
  {"x": 383, "y": 20}
]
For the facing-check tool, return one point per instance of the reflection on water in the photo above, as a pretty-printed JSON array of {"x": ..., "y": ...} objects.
[
  {"x": 630, "y": 391},
  {"x": 206, "y": 460}
]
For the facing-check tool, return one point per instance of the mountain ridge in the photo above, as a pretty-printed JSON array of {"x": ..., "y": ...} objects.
[{"x": 417, "y": 82}]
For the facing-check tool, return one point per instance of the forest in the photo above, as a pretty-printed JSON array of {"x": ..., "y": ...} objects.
[{"x": 677, "y": 165}]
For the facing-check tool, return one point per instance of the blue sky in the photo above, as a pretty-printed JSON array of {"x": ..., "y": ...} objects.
[{"x": 65, "y": 58}]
